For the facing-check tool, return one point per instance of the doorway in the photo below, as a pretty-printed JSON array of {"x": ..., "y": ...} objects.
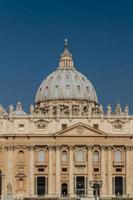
[
  {"x": 64, "y": 190},
  {"x": 118, "y": 185},
  {"x": 80, "y": 186},
  {"x": 41, "y": 186}
]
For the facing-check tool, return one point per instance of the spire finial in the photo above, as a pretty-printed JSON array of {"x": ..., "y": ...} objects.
[{"x": 66, "y": 42}]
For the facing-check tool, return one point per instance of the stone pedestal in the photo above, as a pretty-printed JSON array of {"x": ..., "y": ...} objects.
[
  {"x": 8, "y": 197},
  {"x": 90, "y": 194},
  {"x": 87, "y": 198}
]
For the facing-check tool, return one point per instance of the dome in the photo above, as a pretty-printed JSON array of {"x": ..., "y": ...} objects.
[{"x": 66, "y": 83}]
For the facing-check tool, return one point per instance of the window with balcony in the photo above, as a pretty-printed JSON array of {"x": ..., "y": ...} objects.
[
  {"x": 117, "y": 156},
  {"x": 41, "y": 156},
  {"x": 64, "y": 156},
  {"x": 79, "y": 156},
  {"x": 95, "y": 156}
]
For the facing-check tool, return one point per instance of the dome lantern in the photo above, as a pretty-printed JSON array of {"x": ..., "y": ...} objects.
[{"x": 66, "y": 61}]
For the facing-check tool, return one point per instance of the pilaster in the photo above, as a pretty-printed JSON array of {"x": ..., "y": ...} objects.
[
  {"x": 90, "y": 172},
  {"x": 50, "y": 171},
  {"x": 128, "y": 182},
  {"x": 71, "y": 177},
  {"x": 58, "y": 187},
  {"x": 110, "y": 171},
  {"x": 103, "y": 176},
  {"x": 31, "y": 170}
]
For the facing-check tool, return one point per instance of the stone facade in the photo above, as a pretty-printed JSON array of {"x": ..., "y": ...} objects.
[{"x": 63, "y": 147}]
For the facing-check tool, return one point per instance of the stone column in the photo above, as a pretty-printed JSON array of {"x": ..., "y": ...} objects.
[
  {"x": 128, "y": 184},
  {"x": 110, "y": 171},
  {"x": 3, "y": 185},
  {"x": 131, "y": 168},
  {"x": 90, "y": 172},
  {"x": 71, "y": 177},
  {"x": 58, "y": 187},
  {"x": 31, "y": 170},
  {"x": 50, "y": 171},
  {"x": 10, "y": 168},
  {"x": 103, "y": 176}
]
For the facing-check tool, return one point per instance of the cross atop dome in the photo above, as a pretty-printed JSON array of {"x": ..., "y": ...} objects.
[
  {"x": 66, "y": 42},
  {"x": 66, "y": 61}
]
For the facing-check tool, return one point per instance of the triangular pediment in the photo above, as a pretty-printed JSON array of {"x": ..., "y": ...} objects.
[{"x": 80, "y": 130}]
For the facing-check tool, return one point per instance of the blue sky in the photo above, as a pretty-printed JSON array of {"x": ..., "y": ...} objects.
[{"x": 32, "y": 36}]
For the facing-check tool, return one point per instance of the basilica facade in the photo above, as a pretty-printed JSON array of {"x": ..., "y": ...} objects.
[{"x": 68, "y": 145}]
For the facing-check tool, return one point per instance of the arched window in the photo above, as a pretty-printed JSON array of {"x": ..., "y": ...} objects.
[
  {"x": 79, "y": 156},
  {"x": 21, "y": 155},
  {"x": 64, "y": 156},
  {"x": 117, "y": 156},
  {"x": 95, "y": 156},
  {"x": 41, "y": 156}
]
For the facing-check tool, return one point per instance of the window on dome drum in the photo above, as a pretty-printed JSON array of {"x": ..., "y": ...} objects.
[
  {"x": 117, "y": 156},
  {"x": 41, "y": 156},
  {"x": 79, "y": 156},
  {"x": 64, "y": 126},
  {"x": 95, "y": 156},
  {"x": 64, "y": 156},
  {"x": 96, "y": 126}
]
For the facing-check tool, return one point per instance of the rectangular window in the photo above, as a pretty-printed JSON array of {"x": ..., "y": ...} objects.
[
  {"x": 64, "y": 169},
  {"x": 96, "y": 169},
  {"x": 117, "y": 156},
  {"x": 118, "y": 169},
  {"x": 21, "y": 127},
  {"x": 41, "y": 169},
  {"x": 96, "y": 126},
  {"x": 64, "y": 126}
]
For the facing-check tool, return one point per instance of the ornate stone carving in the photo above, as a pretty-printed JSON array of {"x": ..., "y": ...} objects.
[
  {"x": 50, "y": 147},
  {"x": 101, "y": 109},
  {"x": 109, "y": 109},
  {"x": 31, "y": 109},
  {"x": 118, "y": 109},
  {"x": 71, "y": 147},
  {"x": 9, "y": 189},
  {"x": 11, "y": 110},
  {"x": 41, "y": 124},
  {"x": 80, "y": 129},
  {"x": 58, "y": 147},
  {"x": 126, "y": 110}
]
